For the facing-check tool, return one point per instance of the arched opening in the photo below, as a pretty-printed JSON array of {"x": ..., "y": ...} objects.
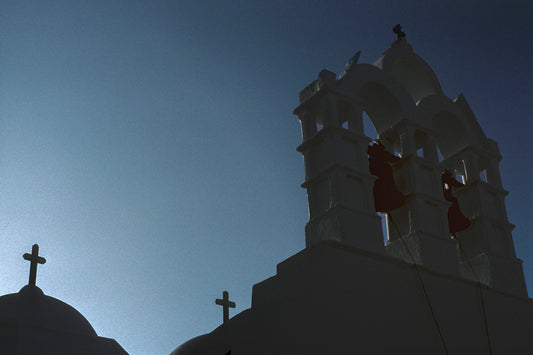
[
  {"x": 381, "y": 111},
  {"x": 381, "y": 106},
  {"x": 368, "y": 127},
  {"x": 439, "y": 154}
]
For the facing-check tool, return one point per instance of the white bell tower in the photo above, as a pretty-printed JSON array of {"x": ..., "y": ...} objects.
[{"x": 429, "y": 133}]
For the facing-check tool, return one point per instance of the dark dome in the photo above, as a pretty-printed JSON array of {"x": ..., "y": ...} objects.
[
  {"x": 190, "y": 347},
  {"x": 31, "y": 307}
]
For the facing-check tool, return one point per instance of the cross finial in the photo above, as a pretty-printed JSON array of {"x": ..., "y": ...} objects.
[
  {"x": 398, "y": 30},
  {"x": 226, "y": 304},
  {"x": 34, "y": 259}
]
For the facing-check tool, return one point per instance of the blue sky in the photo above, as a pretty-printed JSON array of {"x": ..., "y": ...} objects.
[{"x": 149, "y": 147}]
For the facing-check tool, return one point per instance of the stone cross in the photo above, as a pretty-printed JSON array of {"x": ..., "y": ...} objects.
[
  {"x": 226, "y": 304},
  {"x": 34, "y": 259}
]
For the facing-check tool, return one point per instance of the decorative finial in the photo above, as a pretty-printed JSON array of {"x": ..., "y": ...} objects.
[
  {"x": 34, "y": 259},
  {"x": 398, "y": 30},
  {"x": 226, "y": 304},
  {"x": 349, "y": 64}
]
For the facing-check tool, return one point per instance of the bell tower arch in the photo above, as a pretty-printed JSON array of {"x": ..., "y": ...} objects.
[
  {"x": 486, "y": 251},
  {"x": 429, "y": 133}
]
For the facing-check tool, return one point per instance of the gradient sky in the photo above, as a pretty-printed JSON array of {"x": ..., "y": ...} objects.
[{"x": 149, "y": 147}]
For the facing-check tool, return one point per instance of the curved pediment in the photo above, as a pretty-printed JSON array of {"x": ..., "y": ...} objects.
[
  {"x": 452, "y": 124},
  {"x": 383, "y": 98},
  {"x": 410, "y": 70}
]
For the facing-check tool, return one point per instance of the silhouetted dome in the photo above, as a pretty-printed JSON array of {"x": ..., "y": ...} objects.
[
  {"x": 31, "y": 307},
  {"x": 191, "y": 347}
]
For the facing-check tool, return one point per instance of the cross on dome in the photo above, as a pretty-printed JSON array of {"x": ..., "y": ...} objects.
[
  {"x": 226, "y": 304},
  {"x": 34, "y": 259}
]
